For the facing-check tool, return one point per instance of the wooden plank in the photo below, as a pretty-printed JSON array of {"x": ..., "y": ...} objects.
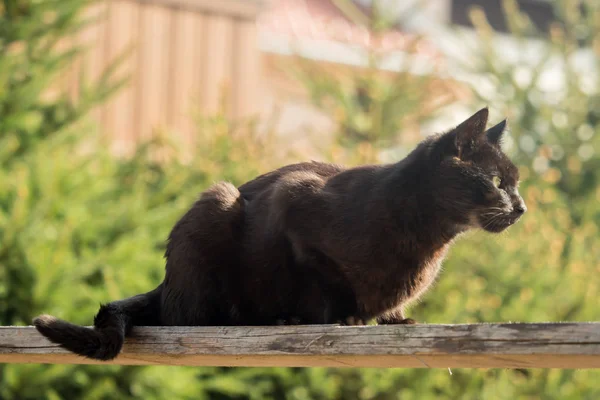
[
  {"x": 93, "y": 38},
  {"x": 217, "y": 70},
  {"x": 153, "y": 69},
  {"x": 120, "y": 110},
  {"x": 246, "y": 70},
  {"x": 242, "y": 9},
  {"x": 185, "y": 72},
  {"x": 541, "y": 345}
]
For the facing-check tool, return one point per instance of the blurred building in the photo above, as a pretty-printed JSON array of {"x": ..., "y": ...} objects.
[{"x": 202, "y": 56}]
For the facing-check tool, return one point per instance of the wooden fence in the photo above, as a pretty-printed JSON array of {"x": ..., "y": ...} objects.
[
  {"x": 186, "y": 54},
  {"x": 547, "y": 345}
]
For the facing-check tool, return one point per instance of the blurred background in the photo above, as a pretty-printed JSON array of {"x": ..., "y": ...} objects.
[{"x": 115, "y": 114}]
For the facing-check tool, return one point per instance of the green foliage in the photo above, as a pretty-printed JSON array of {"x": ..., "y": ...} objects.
[
  {"x": 33, "y": 114},
  {"x": 550, "y": 89},
  {"x": 32, "y": 108},
  {"x": 77, "y": 229}
]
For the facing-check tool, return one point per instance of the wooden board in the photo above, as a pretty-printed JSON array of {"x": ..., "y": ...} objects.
[
  {"x": 218, "y": 65},
  {"x": 121, "y": 36},
  {"x": 185, "y": 69},
  {"x": 153, "y": 63},
  {"x": 93, "y": 60},
  {"x": 544, "y": 345},
  {"x": 246, "y": 71}
]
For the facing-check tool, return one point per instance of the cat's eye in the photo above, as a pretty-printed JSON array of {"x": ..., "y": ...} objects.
[{"x": 497, "y": 181}]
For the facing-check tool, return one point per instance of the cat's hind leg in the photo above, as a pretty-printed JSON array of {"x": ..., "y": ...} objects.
[{"x": 202, "y": 279}]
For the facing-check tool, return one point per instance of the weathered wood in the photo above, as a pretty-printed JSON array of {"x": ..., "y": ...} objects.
[{"x": 543, "y": 345}]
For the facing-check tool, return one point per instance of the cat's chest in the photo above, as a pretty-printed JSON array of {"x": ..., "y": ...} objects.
[
  {"x": 405, "y": 279},
  {"x": 426, "y": 271}
]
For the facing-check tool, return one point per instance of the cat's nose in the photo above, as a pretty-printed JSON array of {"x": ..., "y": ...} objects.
[{"x": 520, "y": 208}]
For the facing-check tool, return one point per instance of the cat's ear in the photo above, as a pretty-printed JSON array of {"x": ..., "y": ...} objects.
[
  {"x": 465, "y": 136},
  {"x": 471, "y": 129},
  {"x": 494, "y": 134}
]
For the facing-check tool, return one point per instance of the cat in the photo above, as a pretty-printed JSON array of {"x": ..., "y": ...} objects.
[{"x": 315, "y": 243}]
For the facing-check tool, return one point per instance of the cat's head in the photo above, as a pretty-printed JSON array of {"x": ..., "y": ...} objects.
[{"x": 476, "y": 182}]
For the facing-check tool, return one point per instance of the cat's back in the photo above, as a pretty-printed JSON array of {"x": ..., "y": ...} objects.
[{"x": 255, "y": 187}]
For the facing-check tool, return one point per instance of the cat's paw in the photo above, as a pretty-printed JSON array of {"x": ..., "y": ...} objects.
[
  {"x": 352, "y": 321},
  {"x": 396, "y": 321}
]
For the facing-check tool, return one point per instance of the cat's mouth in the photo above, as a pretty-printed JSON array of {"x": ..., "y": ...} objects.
[{"x": 498, "y": 222}]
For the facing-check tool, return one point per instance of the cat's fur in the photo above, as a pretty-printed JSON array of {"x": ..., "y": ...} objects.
[{"x": 315, "y": 243}]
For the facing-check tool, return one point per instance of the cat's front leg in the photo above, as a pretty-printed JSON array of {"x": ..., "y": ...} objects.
[
  {"x": 395, "y": 317},
  {"x": 395, "y": 321},
  {"x": 352, "y": 321}
]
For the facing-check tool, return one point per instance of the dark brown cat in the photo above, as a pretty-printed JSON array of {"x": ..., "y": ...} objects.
[{"x": 315, "y": 243}]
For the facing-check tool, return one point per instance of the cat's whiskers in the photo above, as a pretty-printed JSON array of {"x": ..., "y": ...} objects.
[
  {"x": 492, "y": 219},
  {"x": 492, "y": 215},
  {"x": 496, "y": 209}
]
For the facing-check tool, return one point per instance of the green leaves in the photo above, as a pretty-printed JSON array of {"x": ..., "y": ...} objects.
[
  {"x": 549, "y": 89},
  {"x": 34, "y": 53}
]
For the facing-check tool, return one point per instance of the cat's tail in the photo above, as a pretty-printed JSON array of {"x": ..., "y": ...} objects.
[{"x": 112, "y": 323}]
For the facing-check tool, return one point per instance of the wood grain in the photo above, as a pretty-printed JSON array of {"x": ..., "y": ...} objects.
[
  {"x": 542, "y": 345},
  {"x": 218, "y": 64},
  {"x": 186, "y": 56},
  {"x": 246, "y": 71},
  {"x": 121, "y": 36},
  {"x": 93, "y": 60},
  {"x": 185, "y": 69},
  {"x": 153, "y": 69}
]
